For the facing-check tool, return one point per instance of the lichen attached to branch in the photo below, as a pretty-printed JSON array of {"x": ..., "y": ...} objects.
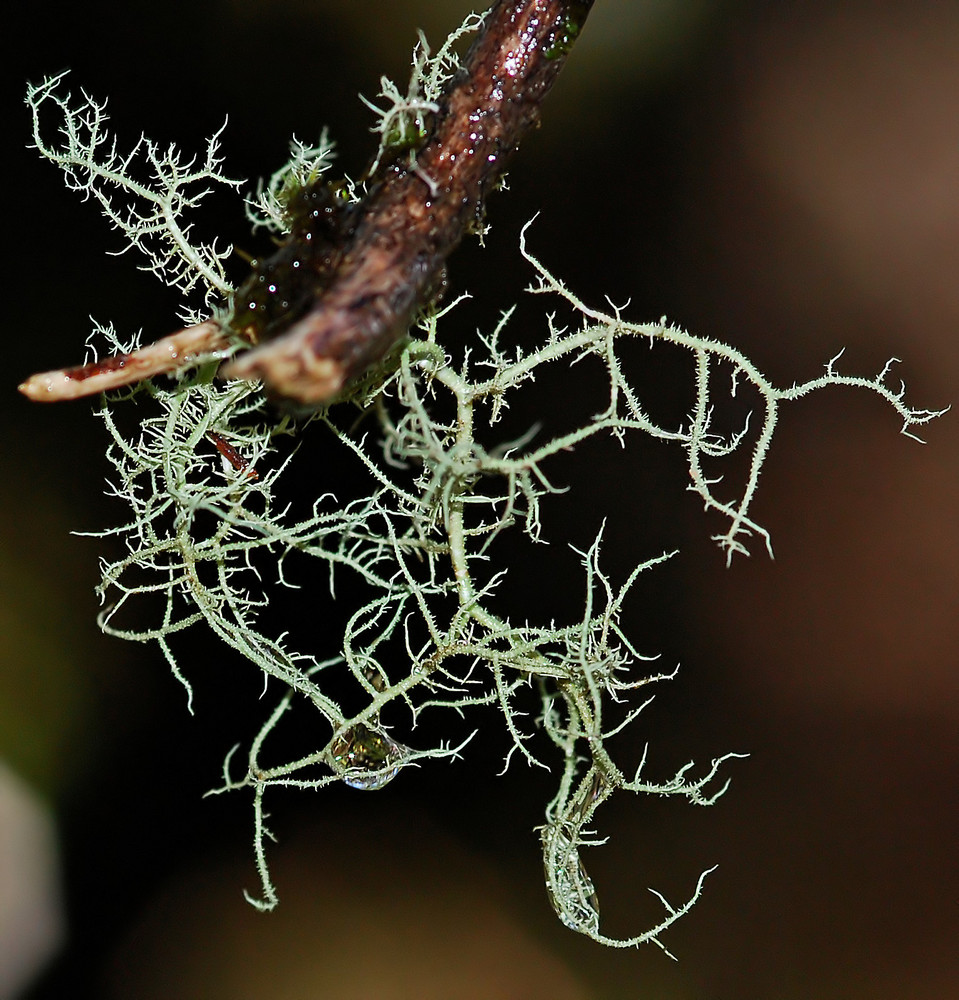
[{"x": 210, "y": 537}]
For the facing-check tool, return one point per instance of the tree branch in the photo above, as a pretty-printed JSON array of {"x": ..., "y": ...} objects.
[
  {"x": 391, "y": 260},
  {"x": 417, "y": 214}
]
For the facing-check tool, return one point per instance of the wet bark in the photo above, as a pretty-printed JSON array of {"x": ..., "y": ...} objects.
[
  {"x": 419, "y": 209},
  {"x": 371, "y": 273}
]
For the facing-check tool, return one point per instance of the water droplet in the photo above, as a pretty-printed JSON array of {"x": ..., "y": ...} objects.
[
  {"x": 367, "y": 758},
  {"x": 571, "y": 891},
  {"x": 574, "y": 898}
]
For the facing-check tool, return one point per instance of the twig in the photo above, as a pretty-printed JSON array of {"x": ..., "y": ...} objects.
[
  {"x": 178, "y": 350},
  {"x": 418, "y": 210}
]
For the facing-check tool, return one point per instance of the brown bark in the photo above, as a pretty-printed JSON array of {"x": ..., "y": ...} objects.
[
  {"x": 418, "y": 212},
  {"x": 175, "y": 351},
  {"x": 366, "y": 292}
]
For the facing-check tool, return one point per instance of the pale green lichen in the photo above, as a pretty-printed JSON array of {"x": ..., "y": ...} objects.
[
  {"x": 404, "y": 122},
  {"x": 268, "y": 208},
  {"x": 150, "y": 214},
  {"x": 420, "y": 531}
]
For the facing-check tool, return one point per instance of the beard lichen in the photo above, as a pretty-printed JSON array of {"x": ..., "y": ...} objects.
[{"x": 419, "y": 532}]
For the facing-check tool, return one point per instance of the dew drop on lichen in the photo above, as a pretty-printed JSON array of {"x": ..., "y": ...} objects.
[
  {"x": 574, "y": 899},
  {"x": 570, "y": 889},
  {"x": 367, "y": 758}
]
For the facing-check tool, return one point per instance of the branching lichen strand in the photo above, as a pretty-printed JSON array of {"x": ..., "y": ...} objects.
[{"x": 422, "y": 548}]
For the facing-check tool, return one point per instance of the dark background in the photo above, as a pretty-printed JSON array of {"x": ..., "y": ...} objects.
[{"x": 785, "y": 178}]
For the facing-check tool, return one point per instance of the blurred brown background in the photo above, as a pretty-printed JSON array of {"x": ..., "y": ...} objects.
[{"x": 783, "y": 177}]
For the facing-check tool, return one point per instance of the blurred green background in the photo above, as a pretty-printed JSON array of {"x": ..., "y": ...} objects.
[{"x": 782, "y": 177}]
